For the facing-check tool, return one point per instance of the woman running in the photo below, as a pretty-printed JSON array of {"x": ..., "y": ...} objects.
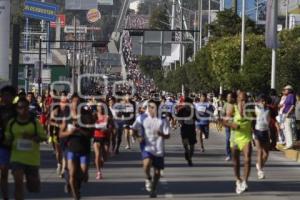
[
  {"x": 262, "y": 138},
  {"x": 101, "y": 139},
  {"x": 240, "y": 142}
]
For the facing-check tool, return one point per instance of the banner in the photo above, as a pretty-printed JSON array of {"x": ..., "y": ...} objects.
[
  {"x": 106, "y": 2},
  {"x": 4, "y": 39},
  {"x": 271, "y": 24},
  {"x": 40, "y": 10}
]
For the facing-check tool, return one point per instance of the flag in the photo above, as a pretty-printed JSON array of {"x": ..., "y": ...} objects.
[{"x": 271, "y": 24}]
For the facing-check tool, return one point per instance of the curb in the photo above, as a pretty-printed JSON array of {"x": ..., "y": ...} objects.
[{"x": 291, "y": 154}]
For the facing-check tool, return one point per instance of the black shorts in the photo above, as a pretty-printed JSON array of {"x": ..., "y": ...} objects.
[
  {"x": 262, "y": 136},
  {"x": 28, "y": 170},
  {"x": 204, "y": 129},
  {"x": 101, "y": 141}
]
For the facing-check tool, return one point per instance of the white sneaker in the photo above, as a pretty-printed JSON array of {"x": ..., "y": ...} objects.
[
  {"x": 127, "y": 147},
  {"x": 58, "y": 169},
  {"x": 261, "y": 174},
  {"x": 238, "y": 187},
  {"x": 148, "y": 185},
  {"x": 244, "y": 186},
  {"x": 227, "y": 159}
]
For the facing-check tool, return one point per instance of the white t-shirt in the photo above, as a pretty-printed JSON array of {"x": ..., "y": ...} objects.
[
  {"x": 149, "y": 127},
  {"x": 262, "y": 118}
]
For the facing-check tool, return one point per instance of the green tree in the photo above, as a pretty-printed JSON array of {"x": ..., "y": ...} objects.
[
  {"x": 159, "y": 19},
  {"x": 229, "y": 23}
]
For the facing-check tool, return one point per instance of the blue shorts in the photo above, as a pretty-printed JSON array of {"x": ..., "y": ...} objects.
[
  {"x": 157, "y": 162},
  {"x": 83, "y": 158},
  {"x": 4, "y": 156}
]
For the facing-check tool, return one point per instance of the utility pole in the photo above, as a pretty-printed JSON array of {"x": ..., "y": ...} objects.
[
  {"x": 209, "y": 17},
  {"x": 287, "y": 2},
  {"x": 200, "y": 23},
  {"x": 234, "y": 6},
  {"x": 173, "y": 15},
  {"x": 243, "y": 32},
  {"x": 74, "y": 57}
]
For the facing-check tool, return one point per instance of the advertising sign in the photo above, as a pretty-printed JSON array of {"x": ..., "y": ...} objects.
[
  {"x": 93, "y": 15},
  {"x": 106, "y": 2},
  {"x": 80, "y": 4},
  {"x": 40, "y": 10},
  {"x": 62, "y": 19}
]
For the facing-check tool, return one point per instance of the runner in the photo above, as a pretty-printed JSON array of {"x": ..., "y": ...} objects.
[
  {"x": 101, "y": 139},
  {"x": 154, "y": 132},
  {"x": 204, "y": 112},
  {"x": 57, "y": 113},
  {"x": 24, "y": 133},
  {"x": 231, "y": 98},
  {"x": 77, "y": 133},
  {"x": 111, "y": 103},
  {"x": 188, "y": 129},
  {"x": 262, "y": 138},
  {"x": 129, "y": 116},
  {"x": 241, "y": 137},
  {"x": 7, "y": 111}
]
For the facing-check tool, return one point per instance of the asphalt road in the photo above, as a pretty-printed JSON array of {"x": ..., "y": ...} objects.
[{"x": 210, "y": 178}]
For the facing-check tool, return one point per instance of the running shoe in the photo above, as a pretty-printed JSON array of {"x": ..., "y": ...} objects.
[
  {"x": 238, "y": 187},
  {"x": 227, "y": 159},
  {"x": 127, "y": 147},
  {"x": 59, "y": 170},
  {"x": 261, "y": 174},
  {"x": 99, "y": 176},
  {"x": 148, "y": 185},
  {"x": 244, "y": 186}
]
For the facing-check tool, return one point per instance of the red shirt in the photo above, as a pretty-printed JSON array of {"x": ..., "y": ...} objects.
[{"x": 101, "y": 126}]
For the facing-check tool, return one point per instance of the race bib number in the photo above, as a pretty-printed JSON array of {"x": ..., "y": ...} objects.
[
  {"x": 201, "y": 109},
  {"x": 24, "y": 145}
]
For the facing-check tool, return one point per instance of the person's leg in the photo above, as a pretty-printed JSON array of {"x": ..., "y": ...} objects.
[
  {"x": 265, "y": 154},
  {"x": 199, "y": 131},
  {"x": 119, "y": 138},
  {"x": 247, "y": 151},
  {"x": 259, "y": 161},
  {"x": 4, "y": 181},
  {"x": 33, "y": 182},
  {"x": 186, "y": 148},
  {"x": 236, "y": 162},
  {"x": 147, "y": 163},
  {"x": 97, "y": 156},
  {"x": 72, "y": 168},
  {"x": 84, "y": 166},
  {"x": 228, "y": 150},
  {"x": 127, "y": 137},
  {"x": 58, "y": 155},
  {"x": 18, "y": 175},
  {"x": 155, "y": 181},
  {"x": 113, "y": 139}
]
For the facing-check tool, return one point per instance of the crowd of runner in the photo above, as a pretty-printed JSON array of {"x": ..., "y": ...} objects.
[{"x": 76, "y": 128}]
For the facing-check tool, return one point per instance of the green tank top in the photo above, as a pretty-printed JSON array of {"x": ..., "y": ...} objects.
[{"x": 243, "y": 135}]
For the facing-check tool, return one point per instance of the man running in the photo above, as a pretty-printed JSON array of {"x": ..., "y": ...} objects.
[
  {"x": 154, "y": 132},
  {"x": 24, "y": 133},
  {"x": 7, "y": 111}
]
